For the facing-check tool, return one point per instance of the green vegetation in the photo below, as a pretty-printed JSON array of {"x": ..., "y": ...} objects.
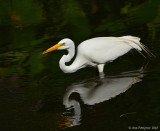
[
  {"x": 33, "y": 25},
  {"x": 32, "y": 85}
]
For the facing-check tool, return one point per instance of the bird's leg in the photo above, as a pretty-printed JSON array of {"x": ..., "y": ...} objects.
[{"x": 100, "y": 68}]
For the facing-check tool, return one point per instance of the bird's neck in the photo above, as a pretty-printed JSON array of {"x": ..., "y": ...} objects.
[
  {"x": 70, "y": 55},
  {"x": 67, "y": 58}
]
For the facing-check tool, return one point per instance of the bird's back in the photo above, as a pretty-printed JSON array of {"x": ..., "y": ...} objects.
[
  {"x": 100, "y": 50},
  {"x": 103, "y": 49}
]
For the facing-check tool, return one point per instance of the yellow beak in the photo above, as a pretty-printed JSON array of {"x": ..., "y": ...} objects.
[{"x": 55, "y": 47}]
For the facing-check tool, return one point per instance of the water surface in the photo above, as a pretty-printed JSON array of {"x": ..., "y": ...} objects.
[{"x": 36, "y": 95}]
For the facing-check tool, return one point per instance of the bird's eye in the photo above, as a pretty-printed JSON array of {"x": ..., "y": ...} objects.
[{"x": 62, "y": 44}]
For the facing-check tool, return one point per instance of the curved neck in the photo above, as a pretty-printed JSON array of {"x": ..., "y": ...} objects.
[
  {"x": 70, "y": 55},
  {"x": 67, "y": 58}
]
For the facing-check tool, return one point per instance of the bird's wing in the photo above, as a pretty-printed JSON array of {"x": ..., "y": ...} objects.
[{"x": 136, "y": 44}]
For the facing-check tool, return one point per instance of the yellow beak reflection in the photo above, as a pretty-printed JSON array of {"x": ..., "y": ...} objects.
[{"x": 55, "y": 47}]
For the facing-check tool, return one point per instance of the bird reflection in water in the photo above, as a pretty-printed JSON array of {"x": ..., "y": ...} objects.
[{"x": 97, "y": 90}]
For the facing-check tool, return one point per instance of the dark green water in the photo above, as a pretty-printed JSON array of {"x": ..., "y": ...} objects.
[{"x": 35, "y": 95}]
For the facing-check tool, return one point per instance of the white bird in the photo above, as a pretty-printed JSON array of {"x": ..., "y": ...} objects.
[{"x": 96, "y": 52}]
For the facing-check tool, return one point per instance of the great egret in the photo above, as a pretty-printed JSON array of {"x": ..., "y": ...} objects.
[{"x": 96, "y": 52}]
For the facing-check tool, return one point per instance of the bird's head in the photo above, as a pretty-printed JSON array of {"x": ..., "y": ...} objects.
[{"x": 64, "y": 44}]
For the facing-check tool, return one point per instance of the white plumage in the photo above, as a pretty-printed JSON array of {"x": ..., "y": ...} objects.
[{"x": 96, "y": 51}]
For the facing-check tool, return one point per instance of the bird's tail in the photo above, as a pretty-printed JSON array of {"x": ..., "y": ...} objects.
[{"x": 136, "y": 44}]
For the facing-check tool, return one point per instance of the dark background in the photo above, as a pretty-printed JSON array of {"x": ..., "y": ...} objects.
[{"x": 32, "y": 85}]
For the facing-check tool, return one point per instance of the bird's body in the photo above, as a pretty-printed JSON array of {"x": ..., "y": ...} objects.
[
  {"x": 96, "y": 51},
  {"x": 103, "y": 51}
]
